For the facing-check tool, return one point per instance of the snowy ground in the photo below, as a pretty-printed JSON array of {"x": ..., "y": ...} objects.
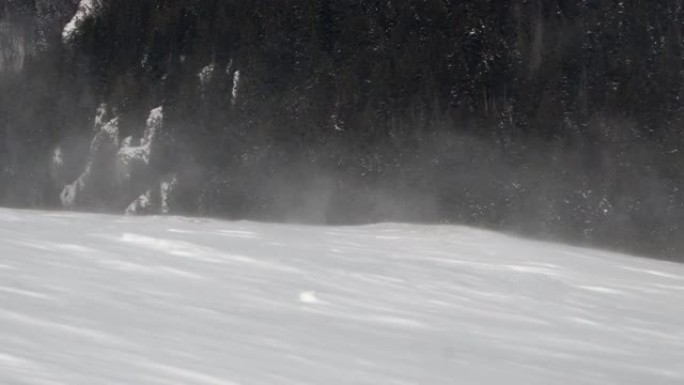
[{"x": 88, "y": 299}]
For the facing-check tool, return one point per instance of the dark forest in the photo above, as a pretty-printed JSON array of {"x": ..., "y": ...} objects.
[{"x": 558, "y": 119}]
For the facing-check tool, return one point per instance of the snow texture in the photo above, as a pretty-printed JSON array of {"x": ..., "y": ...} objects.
[
  {"x": 86, "y": 10},
  {"x": 128, "y": 154},
  {"x": 103, "y": 300}
]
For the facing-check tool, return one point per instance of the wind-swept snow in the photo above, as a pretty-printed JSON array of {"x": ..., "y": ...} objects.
[{"x": 89, "y": 299}]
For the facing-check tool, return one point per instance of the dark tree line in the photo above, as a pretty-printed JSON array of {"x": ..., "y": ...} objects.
[{"x": 561, "y": 118}]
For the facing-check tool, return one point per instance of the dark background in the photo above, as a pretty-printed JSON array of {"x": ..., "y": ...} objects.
[{"x": 558, "y": 119}]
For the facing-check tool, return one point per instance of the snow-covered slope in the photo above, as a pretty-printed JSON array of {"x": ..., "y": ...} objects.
[{"x": 90, "y": 299}]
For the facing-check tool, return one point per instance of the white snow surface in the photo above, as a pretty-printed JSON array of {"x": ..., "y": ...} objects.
[{"x": 94, "y": 299}]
